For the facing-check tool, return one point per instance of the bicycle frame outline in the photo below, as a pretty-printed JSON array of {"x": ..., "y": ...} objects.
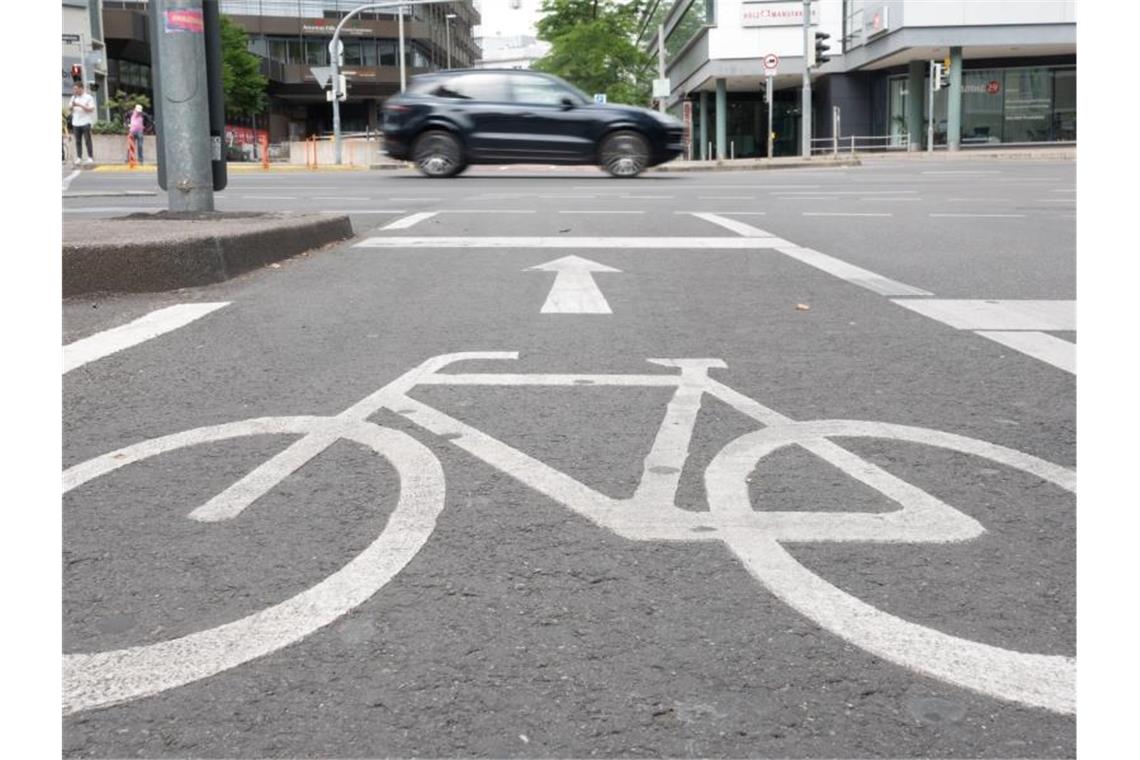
[{"x": 1046, "y": 681}]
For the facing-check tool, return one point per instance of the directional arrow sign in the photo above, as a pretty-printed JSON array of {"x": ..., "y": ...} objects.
[{"x": 574, "y": 291}]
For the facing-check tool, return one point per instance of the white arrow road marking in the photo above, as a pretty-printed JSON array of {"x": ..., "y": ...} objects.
[
  {"x": 574, "y": 290},
  {"x": 131, "y": 334}
]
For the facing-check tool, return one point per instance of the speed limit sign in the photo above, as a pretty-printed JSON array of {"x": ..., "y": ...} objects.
[{"x": 771, "y": 62}]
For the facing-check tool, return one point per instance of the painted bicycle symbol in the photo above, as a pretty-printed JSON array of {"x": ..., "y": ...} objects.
[{"x": 755, "y": 537}]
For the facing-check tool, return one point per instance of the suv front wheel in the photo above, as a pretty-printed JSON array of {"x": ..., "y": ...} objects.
[
  {"x": 438, "y": 154},
  {"x": 624, "y": 154}
]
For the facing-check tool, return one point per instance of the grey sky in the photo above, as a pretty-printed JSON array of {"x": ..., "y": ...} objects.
[{"x": 501, "y": 19}]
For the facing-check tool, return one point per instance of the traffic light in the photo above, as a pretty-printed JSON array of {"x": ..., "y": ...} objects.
[
  {"x": 342, "y": 88},
  {"x": 821, "y": 48},
  {"x": 944, "y": 74},
  {"x": 76, "y": 72},
  {"x": 937, "y": 81}
]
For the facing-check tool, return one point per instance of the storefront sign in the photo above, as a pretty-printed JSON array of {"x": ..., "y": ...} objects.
[
  {"x": 875, "y": 21},
  {"x": 184, "y": 20},
  {"x": 244, "y": 135},
  {"x": 774, "y": 13},
  {"x": 322, "y": 27}
]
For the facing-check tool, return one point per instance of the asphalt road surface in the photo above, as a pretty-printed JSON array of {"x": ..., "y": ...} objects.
[{"x": 547, "y": 464}]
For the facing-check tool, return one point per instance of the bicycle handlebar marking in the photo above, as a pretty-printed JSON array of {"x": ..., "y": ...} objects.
[{"x": 1046, "y": 681}]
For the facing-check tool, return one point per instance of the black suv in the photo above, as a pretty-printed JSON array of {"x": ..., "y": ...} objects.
[{"x": 447, "y": 120}]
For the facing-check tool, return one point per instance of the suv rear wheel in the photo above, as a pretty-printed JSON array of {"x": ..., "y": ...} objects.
[
  {"x": 437, "y": 153},
  {"x": 624, "y": 154}
]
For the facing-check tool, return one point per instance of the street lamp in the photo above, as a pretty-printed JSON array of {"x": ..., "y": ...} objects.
[{"x": 447, "y": 25}]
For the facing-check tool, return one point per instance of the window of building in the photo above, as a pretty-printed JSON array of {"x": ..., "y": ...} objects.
[
  {"x": 1028, "y": 105},
  {"x": 697, "y": 16},
  {"x": 387, "y": 52},
  {"x": 982, "y": 106},
  {"x": 1065, "y": 104},
  {"x": 277, "y": 50},
  {"x": 317, "y": 52}
]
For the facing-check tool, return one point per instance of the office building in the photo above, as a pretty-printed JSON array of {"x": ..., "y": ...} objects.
[{"x": 1011, "y": 78}]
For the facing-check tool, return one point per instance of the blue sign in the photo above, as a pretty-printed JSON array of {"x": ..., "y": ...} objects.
[{"x": 599, "y": 97}]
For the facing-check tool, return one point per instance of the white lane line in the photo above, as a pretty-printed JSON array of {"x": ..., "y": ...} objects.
[
  {"x": 648, "y": 197},
  {"x": 415, "y": 199},
  {"x": 340, "y": 198},
  {"x": 67, "y": 180},
  {"x": 487, "y": 211},
  {"x": 740, "y": 228},
  {"x": 652, "y": 243},
  {"x": 714, "y": 187},
  {"x": 979, "y": 200},
  {"x": 979, "y": 216},
  {"x": 408, "y": 221},
  {"x": 131, "y": 334},
  {"x": 965, "y": 172},
  {"x": 359, "y": 211},
  {"x": 855, "y": 192},
  {"x": 995, "y": 314},
  {"x": 726, "y": 197},
  {"x": 272, "y": 197},
  {"x": 1066, "y": 190},
  {"x": 845, "y": 213},
  {"x": 821, "y": 261},
  {"x": 568, "y": 195},
  {"x": 574, "y": 290},
  {"x": 601, "y": 212},
  {"x": 1055, "y": 200},
  {"x": 1048, "y": 348},
  {"x": 802, "y": 198},
  {"x": 893, "y": 200},
  {"x": 736, "y": 213}
]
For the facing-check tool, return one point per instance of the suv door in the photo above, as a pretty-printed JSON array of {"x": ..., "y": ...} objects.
[
  {"x": 479, "y": 104},
  {"x": 547, "y": 128}
]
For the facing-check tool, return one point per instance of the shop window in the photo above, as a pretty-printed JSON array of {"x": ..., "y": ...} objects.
[
  {"x": 1028, "y": 105},
  {"x": 983, "y": 106},
  {"x": 1065, "y": 104},
  {"x": 317, "y": 52},
  {"x": 387, "y": 52}
]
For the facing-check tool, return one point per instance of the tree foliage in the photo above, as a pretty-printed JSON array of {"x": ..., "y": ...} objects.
[
  {"x": 592, "y": 46},
  {"x": 241, "y": 73}
]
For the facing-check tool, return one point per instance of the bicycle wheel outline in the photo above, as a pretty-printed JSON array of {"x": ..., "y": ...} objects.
[
  {"x": 102, "y": 679},
  {"x": 1036, "y": 680}
]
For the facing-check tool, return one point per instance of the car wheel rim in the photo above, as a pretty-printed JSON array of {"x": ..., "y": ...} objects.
[
  {"x": 435, "y": 158},
  {"x": 624, "y": 157}
]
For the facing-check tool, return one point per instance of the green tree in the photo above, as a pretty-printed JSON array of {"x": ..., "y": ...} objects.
[
  {"x": 241, "y": 73},
  {"x": 592, "y": 46}
]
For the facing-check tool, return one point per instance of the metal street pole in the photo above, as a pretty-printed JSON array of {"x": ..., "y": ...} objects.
[
  {"x": 805, "y": 116},
  {"x": 403, "y": 76},
  {"x": 447, "y": 26},
  {"x": 334, "y": 47},
  {"x": 769, "y": 93},
  {"x": 661, "y": 62},
  {"x": 930, "y": 112},
  {"x": 185, "y": 110}
]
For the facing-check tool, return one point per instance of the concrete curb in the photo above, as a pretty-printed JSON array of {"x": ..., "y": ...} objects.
[
  {"x": 753, "y": 164},
  {"x": 147, "y": 253}
]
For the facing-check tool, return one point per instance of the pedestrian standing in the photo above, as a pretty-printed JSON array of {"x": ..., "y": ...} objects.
[
  {"x": 136, "y": 125},
  {"x": 82, "y": 117}
]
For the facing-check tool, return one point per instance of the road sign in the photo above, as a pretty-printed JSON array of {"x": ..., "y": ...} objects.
[
  {"x": 661, "y": 88},
  {"x": 322, "y": 73},
  {"x": 599, "y": 97},
  {"x": 771, "y": 63}
]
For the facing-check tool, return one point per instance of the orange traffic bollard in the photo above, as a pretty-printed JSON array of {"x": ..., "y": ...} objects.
[
  {"x": 265, "y": 152},
  {"x": 132, "y": 159}
]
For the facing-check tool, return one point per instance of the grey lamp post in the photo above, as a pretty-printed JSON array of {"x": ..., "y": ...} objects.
[
  {"x": 336, "y": 63},
  {"x": 447, "y": 24}
]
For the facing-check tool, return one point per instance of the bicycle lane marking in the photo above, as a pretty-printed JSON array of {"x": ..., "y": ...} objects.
[
  {"x": 105, "y": 678},
  {"x": 144, "y": 328}
]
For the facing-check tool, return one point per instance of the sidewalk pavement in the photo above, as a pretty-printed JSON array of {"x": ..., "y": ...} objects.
[{"x": 151, "y": 252}]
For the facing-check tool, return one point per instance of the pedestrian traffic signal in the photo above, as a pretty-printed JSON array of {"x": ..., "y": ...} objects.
[
  {"x": 76, "y": 72},
  {"x": 937, "y": 81},
  {"x": 944, "y": 73},
  {"x": 821, "y": 47}
]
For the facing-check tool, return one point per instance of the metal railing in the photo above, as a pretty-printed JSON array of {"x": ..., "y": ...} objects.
[{"x": 851, "y": 144}]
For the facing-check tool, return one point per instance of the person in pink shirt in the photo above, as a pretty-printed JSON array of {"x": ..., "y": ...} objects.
[{"x": 136, "y": 125}]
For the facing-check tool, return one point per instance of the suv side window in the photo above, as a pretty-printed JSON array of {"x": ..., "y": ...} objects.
[
  {"x": 541, "y": 91},
  {"x": 474, "y": 87}
]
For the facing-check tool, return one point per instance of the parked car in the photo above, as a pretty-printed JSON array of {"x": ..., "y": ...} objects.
[{"x": 445, "y": 121}]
